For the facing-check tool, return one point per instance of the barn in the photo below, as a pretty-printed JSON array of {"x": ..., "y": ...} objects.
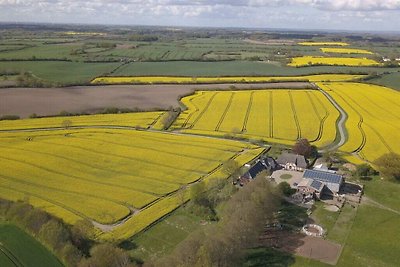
[
  {"x": 332, "y": 181},
  {"x": 311, "y": 187}
]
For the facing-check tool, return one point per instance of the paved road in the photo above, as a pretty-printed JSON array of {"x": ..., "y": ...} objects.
[{"x": 340, "y": 125}]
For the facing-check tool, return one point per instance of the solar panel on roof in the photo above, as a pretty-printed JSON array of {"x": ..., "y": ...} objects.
[
  {"x": 323, "y": 176},
  {"x": 316, "y": 184},
  {"x": 256, "y": 169}
]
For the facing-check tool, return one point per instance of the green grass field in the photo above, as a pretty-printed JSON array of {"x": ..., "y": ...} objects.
[
  {"x": 260, "y": 257},
  {"x": 19, "y": 249},
  {"x": 229, "y": 68},
  {"x": 82, "y": 73},
  {"x": 389, "y": 80},
  {"x": 162, "y": 238},
  {"x": 369, "y": 233},
  {"x": 60, "y": 71},
  {"x": 373, "y": 240}
]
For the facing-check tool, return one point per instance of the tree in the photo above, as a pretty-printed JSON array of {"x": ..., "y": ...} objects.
[
  {"x": 81, "y": 234},
  {"x": 181, "y": 194},
  {"x": 71, "y": 255},
  {"x": 54, "y": 234},
  {"x": 389, "y": 165},
  {"x": 106, "y": 255},
  {"x": 243, "y": 218},
  {"x": 364, "y": 170},
  {"x": 285, "y": 188},
  {"x": 168, "y": 118},
  {"x": 66, "y": 124},
  {"x": 196, "y": 191},
  {"x": 303, "y": 147},
  {"x": 36, "y": 219},
  {"x": 231, "y": 168}
]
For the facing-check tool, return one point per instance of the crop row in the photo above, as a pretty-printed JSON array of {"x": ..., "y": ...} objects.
[
  {"x": 164, "y": 206},
  {"x": 280, "y": 115},
  {"x": 373, "y": 117},
  {"x": 103, "y": 175}
]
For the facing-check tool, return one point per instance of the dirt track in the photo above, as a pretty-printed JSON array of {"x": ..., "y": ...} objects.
[
  {"x": 306, "y": 246},
  {"x": 51, "y": 101}
]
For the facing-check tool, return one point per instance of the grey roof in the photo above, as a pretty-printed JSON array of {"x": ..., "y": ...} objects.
[
  {"x": 323, "y": 176},
  {"x": 299, "y": 160},
  {"x": 270, "y": 162}
]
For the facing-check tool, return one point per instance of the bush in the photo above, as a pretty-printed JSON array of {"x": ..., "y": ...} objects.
[
  {"x": 364, "y": 170},
  {"x": 285, "y": 188},
  {"x": 389, "y": 166},
  {"x": 9, "y": 117},
  {"x": 303, "y": 147}
]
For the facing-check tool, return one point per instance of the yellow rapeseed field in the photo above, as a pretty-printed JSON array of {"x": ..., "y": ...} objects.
[
  {"x": 324, "y": 44},
  {"x": 374, "y": 118},
  {"x": 139, "y": 119},
  {"x": 167, "y": 204},
  {"x": 345, "y": 50},
  {"x": 232, "y": 79},
  {"x": 105, "y": 175},
  {"x": 342, "y": 61},
  {"x": 276, "y": 115}
]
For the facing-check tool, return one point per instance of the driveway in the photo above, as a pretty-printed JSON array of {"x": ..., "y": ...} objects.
[{"x": 291, "y": 178}]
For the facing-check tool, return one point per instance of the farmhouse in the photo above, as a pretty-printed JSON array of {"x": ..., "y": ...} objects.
[
  {"x": 292, "y": 162},
  {"x": 331, "y": 182}
]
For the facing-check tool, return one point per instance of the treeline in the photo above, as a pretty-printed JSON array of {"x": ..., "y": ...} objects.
[
  {"x": 239, "y": 226},
  {"x": 34, "y": 58},
  {"x": 8, "y": 72},
  {"x": 143, "y": 38},
  {"x": 73, "y": 245},
  {"x": 27, "y": 79},
  {"x": 109, "y": 110}
]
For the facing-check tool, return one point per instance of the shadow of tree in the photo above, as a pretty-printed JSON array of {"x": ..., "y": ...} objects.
[{"x": 267, "y": 257}]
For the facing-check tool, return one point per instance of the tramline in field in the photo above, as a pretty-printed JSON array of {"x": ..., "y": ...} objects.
[
  {"x": 276, "y": 115},
  {"x": 106, "y": 175},
  {"x": 373, "y": 117}
]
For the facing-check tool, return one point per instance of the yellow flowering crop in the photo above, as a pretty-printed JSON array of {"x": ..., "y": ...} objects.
[
  {"x": 228, "y": 79},
  {"x": 374, "y": 120},
  {"x": 345, "y": 51},
  {"x": 105, "y": 174},
  {"x": 342, "y": 61},
  {"x": 324, "y": 44},
  {"x": 275, "y": 115},
  {"x": 141, "y": 119}
]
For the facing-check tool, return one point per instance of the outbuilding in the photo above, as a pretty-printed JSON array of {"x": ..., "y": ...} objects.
[{"x": 332, "y": 181}]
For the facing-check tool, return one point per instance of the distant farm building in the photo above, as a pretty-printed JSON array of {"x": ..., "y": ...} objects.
[{"x": 292, "y": 162}]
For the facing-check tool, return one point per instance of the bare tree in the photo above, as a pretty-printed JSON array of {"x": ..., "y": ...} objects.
[{"x": 66, "y": 124}]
